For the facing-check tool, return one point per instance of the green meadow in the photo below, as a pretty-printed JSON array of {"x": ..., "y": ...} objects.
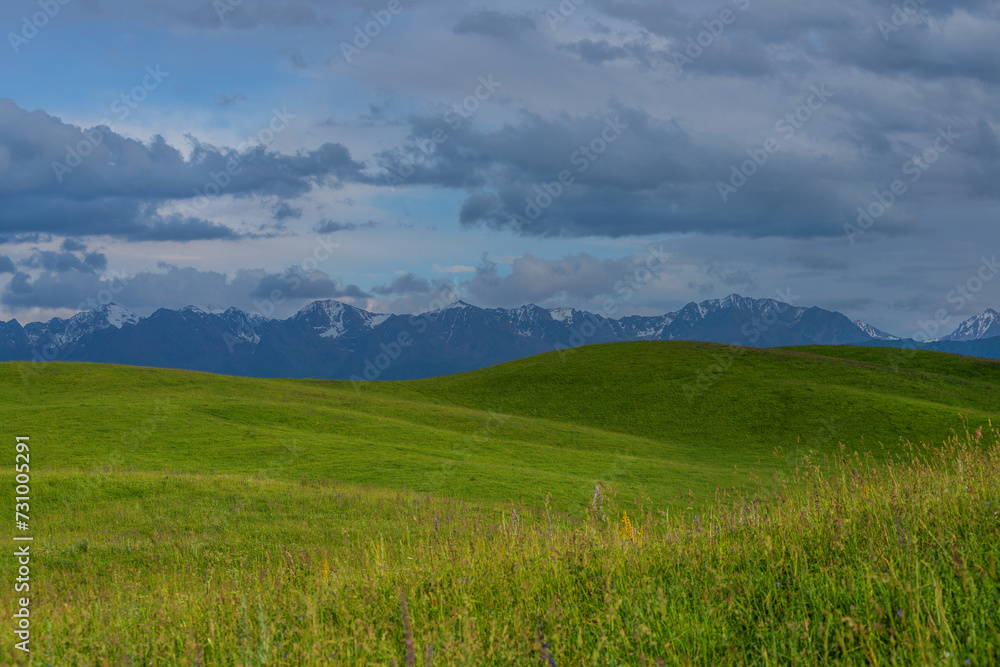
[{"x": 635, "y": 503}]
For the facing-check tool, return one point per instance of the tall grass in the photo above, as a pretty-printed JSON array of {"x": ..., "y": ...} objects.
[{"x": 851, "y": 560}]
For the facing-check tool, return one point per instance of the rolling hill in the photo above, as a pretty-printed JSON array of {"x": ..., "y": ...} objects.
[{"x": 653, "y": 418}]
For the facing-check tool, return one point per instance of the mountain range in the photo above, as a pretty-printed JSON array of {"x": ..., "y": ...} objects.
[{"x": 334, "y": 340}]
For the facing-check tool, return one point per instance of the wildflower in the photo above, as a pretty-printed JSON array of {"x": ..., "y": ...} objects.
[
  {"x": 625, "y": 530},
  {"x": 899, "y": 612}
]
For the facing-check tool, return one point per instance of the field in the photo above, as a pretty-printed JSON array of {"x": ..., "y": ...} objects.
[{"x": 641, "y": 503}]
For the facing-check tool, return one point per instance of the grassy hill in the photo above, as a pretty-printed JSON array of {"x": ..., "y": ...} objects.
[
  {"x": 186, "y": 518},
  {"x": 654, "y": 419}
]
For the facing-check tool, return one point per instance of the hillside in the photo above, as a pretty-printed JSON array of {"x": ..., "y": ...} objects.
[
  {"x": 656, "y": 418},
  {"x": 185, "y": 518}
]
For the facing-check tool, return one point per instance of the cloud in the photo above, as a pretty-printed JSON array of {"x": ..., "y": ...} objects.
[
  {"x": 629, "y": 174},
  {"x": 294, "y": 283},
  {"x": 701, "y": 288},
  {"x": 456, "y": 268},
  {"x": 174, "y": 287},
  {"x": 732, "y": 277},
  {"x": 7, "y": 265},
  {"x": 327, "y": 226},
  {"x": 176, "y": 227},
  {"x": 819, "y": 261},
  {"x": 535, "y": 280},
  {"x": 230, "y": 100},
  {"x": 405, "y": 284},
  {"x": 763, "y": 37},
  {"x": 234, "y": 15},
  {"x": 283, "y": 211},
  {"x": 118, "y": 186},
  {"x": 72, "y": 245},
  {"x": 63, "y": 262},
  {"x": 297, "y": 59},
  {"x": 509, "y": 27},
  {"x": 597, "y": 52}
]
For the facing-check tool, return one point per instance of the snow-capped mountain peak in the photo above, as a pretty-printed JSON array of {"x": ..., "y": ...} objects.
[
  {"x": 332, "y": 319},
  {"x": 984, "y": 325}
]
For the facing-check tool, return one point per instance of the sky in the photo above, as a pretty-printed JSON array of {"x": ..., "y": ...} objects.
[{"x": 618, "y": 156}]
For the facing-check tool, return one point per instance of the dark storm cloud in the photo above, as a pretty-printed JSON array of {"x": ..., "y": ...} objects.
[
  {"x": 654, "y": 176},
  {"x": 61, "y": 262},
  {"x": 178, "y": 228},
  {"x": 73, "y": 245},
  {"x": 405, "y": 284},
  {"x": 923, "y": 39},
  {"x": 58, "y": 178},
  {"x": 495, "y": 24},
  {"x": 283, "y": 211},
  {"x": 660, "y": 175},
  {"x": 326, "y": 226},
  {"x": 311, "y": 285},
  {"x": 645, "y": 174}
]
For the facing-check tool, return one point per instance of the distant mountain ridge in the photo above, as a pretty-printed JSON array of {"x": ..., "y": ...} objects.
[{"x": 334, "y": 340}]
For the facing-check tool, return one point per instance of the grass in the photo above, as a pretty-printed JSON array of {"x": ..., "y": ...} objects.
[
  {"x": 655, "y": 419},
  {"x": 853, "y": 561},
  {"x": 183, "y": 518}
]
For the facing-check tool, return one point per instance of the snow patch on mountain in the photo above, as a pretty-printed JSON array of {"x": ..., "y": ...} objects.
[
  {"x": 117, "y": 316},
  {"x": 874, "y": 332},
  {"x": 561, "y": 314}
]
